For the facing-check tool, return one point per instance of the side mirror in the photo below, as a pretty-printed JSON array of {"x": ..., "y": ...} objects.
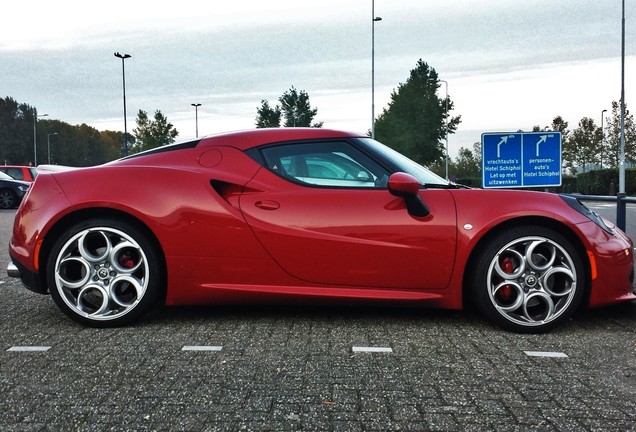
[
  {"x": 402, "y": 184},
  {"x": 406, "y": 186}
]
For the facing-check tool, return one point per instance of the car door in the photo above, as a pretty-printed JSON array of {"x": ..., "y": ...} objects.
[{"x": 347, "y": 229}]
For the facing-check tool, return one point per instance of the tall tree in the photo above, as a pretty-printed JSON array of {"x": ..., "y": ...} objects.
[
  {"x": 294, "y": 107},
  {"x": 467, "y": 163},
  {"x": 417, "y": 120},
  {"x": 612, "y": 150},
  {"x": 568, "y": 154},
  {"x": 584, "y": 144},
  {"x": 297, "y": 109},
  {"x": 267, "y": 117},
  {"x": 150, "y": 134},
  {"x": 16, "y": 132}
]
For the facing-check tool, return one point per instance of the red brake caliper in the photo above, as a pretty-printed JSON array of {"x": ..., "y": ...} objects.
[
  {"x": 126, "y": 261},
  {"x": 505, "y": 293}
]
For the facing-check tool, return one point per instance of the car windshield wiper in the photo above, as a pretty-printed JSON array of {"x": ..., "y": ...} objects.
[{"x": 441, "y": 186}]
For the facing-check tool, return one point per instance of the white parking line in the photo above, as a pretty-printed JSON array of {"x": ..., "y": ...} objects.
[
  {"x": 29, "y": 348},
  {"x": 372, "y": 349},
  {"x": 202, "y": 348},
  {"x": 545, "y": 354}
]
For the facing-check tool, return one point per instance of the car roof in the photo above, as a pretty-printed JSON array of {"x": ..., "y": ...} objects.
[{"x": 247, "y": 139}]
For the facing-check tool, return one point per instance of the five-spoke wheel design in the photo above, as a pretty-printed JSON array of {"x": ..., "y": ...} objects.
[
  {"x": 532, "y": 282},
  {"x": 103, "y": 274}
]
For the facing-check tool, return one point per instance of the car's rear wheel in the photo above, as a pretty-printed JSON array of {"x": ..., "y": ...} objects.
[
  {"x": 8, "y": 199},
  {"x": 105, "y": 273},
  {"x": 528, "y": 279}
]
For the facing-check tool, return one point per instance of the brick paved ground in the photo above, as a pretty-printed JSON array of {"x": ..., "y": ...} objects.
[{"x": 292, "y": 369}]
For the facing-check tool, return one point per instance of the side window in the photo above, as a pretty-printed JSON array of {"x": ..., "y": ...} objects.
[
  {"x": 16, "y": 173},
  {"x": 334, "y": 164}
]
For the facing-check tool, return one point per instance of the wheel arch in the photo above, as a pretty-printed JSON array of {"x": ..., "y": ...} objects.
[
  {"x": 545, "y": 222},
  {"x": 96, "y": 212}
]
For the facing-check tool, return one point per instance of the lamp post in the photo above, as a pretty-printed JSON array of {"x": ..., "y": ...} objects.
[
  {"x": 48, "y": 145},
  {"x": 374, "y": 19},
  {"x": 620, "y": 204},
  {"x": 446, "y": 124},
  {"x": 602, "y": 136},
  {"x": 196, "y": 116},
  {"x": 35, "y": 139},
  {"x": 123, "y": 57}
]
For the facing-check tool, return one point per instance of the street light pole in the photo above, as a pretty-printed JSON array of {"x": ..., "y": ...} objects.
[
  {"x": 35, "y": 136},
  {"x": 196, "y": 116},
  {"x": 374, "y": 19},
  {"x": 48, "y": 145},
  {"x": 622, "y": 157},
  {"x": 123, "y": 73},
  {"x": 446, "y": 124},
  {"x": 602, "y": 136},
  {"x": 620, "y": 203}
]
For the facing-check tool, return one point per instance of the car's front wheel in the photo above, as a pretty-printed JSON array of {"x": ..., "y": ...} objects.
[
  {"x": 528, "y": 279},
  {"x": 105, "y": 272}
]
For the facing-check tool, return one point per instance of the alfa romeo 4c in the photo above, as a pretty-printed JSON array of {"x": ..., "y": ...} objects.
[{"x": 281, "y": 215}]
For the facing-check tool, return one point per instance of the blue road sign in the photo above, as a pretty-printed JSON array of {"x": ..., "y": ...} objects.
[{"x": 521, "y": 159}]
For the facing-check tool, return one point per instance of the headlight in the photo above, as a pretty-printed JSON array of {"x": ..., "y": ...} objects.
[
  {"x": 23, "y": 188},
  {"x": 585, "y": 211}
]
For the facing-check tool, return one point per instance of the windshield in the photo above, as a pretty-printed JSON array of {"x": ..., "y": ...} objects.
[{"x": 405, "y": 164}]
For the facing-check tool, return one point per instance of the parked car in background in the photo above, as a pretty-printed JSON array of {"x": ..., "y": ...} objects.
[
  {"x": 11, "y": 191},
  {"x": 20, "y": 172}
]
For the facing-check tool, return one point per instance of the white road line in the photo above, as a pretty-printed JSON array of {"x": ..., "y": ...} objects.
[
  {"x": 545, "y": 354},
  {"x": 201, "y": 348},
  {"x": 372, "y": 349},
  {"x": 29, "y": 348}
]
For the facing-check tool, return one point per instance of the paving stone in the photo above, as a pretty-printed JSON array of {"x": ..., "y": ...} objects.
[{"x": 291, "y": 369}]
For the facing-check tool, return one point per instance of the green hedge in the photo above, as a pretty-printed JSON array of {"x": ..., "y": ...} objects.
[
  {"x": 605, "y": 182},
  {"x": 599, "y": 182}
]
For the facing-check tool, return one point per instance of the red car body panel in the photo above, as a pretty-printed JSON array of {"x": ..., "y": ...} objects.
[
  {"x": 233, "y": 231},
  {"x": 352, "y": 237}
]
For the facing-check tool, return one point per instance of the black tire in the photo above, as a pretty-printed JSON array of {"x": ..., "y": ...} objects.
[
  {"x": 105, "y": 272},
  {"x": 528, "y": 279},
  {"x": 8, "y": 199}
]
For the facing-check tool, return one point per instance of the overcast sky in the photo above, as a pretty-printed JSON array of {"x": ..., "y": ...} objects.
[{"x": 509, "y": 64}]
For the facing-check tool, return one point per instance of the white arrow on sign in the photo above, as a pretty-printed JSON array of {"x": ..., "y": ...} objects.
[
  {"x": 504, "y": 139},
  {"x": 542, "y": 139}
]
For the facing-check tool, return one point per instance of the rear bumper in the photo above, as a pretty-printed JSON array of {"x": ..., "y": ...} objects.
[
  {"x": 29, "y": 279},
  {"x": 13, "y": 271}
]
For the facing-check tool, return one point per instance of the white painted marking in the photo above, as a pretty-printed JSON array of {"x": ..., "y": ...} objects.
[
  {"x": 201, "y": 348},
  {"x": 29, "y": 348},
  {"x": 372, "y": 349},
  {"x": 545, "y": 354}
]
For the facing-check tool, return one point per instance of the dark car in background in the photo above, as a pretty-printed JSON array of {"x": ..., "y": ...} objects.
[
  {"x": 20, "y": 172},
  {"x": 11, "y": 191}
]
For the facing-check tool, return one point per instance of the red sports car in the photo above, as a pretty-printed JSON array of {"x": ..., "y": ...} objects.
[{"x": 287, "y": 215}]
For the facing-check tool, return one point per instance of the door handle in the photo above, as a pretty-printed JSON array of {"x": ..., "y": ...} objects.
[{"x": 267, "y": 205}]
